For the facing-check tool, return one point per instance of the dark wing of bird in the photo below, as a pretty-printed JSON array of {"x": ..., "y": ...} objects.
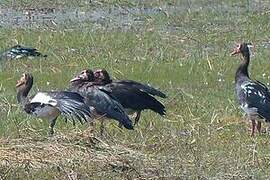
[
  {"x": 257, "y": 96},
  {"x": 263, "y": 86},
  {"x": 13, "y": 52},
  {"x": 100, "y": 98},
  {"x": 72, "y": 105},
  {"x": 143, "y": 87},
  {"x": 132, "y": 98},
  {"x": 28, "y": 51},
  {"x": 19, "y": 51}
]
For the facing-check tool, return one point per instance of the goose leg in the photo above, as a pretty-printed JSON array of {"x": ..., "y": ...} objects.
[
  {"x": 102, "y": 128},
  {"x": 52, "y": 124},
  {"x": 253, "y": 123},
  {"x": 259, "y": 126},
  {"x": 91, "y": 127},
  {"x": 137, "y": 118}
]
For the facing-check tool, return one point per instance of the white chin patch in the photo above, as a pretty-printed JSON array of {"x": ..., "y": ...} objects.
[{"x": 249, "y": 49}]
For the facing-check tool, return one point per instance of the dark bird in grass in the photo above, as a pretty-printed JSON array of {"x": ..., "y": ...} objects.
[
  {"x": 132, "y": 95},
  {"x": 253, "y": 96},
  {"x": 18, "y": 51},
  {"x": 100, "y": 99},
  {"x": 50, "y": 104}
]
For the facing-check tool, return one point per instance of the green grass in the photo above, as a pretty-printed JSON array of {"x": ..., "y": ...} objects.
[{"x": 186, "y": 54}]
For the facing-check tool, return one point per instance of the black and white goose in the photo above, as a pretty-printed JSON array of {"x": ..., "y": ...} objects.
[
  {"x": 100, "y": 99},
  {"x": 49, "y": 105},
  {"x": 132, "y": 95},
  {"x": 253, "y": 96},
  {"x": 18, "y": 51}
]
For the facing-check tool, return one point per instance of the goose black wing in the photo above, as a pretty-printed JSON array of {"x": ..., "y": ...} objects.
[
  {"x": 143, "y": 87},
  {"x": 256, "y": 99},
  {"x": 27, "y": 51},
  {"x": 132, "y": 98},
  {"x": 19, "y": 51},
  {"x": 72, "y": 105},
  {"x": 100, "y": 98}
]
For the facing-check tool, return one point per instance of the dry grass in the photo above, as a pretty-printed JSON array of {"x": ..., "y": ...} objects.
[
  {"x": 183, "y": 48},
  {"x": 64, "y": 153}
]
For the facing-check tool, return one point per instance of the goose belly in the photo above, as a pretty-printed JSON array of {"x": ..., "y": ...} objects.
[
  {"x": 251, "y": 111},
  {"x": 46, "y": 112}
]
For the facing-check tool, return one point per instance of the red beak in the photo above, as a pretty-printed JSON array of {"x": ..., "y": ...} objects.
[
  {"x": 18, "y": 83},
  {"x": 235, "y": 51},
  {"x": 75, "y": 79}
]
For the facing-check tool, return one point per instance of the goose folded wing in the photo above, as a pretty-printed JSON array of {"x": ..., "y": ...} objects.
[
  {"x": 25, "y": 51},
  {"x": 257, "y": 97},
  {"x": 103, "y": 101},
  {"x": 259, "y": 83},
  {"x": 143, "y": 87},
  {"x": 30, "y": 51},
  {"x": 105, "y": 104},
  {"x": 13, "y": 53}
]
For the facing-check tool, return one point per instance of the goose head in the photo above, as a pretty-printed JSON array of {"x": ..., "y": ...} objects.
[
  {"x": 23, "y": 85},
  {"x": 25, "y": 82},
  {"x": 243, "y": 48},
  {"x": 86, "y": 75},
  {"x": 102, "y": 76}
]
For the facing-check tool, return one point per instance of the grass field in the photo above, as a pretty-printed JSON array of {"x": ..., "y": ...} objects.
[{"x": 182, "y": 48}]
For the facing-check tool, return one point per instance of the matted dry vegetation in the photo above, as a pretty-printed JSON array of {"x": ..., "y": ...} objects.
[{"x": 181, "y": 47}]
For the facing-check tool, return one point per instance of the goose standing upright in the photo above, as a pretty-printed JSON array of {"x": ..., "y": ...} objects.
[
  {"x": 132, "y": 95},
  {"x": 99, "y": 98},
  {"x": 253, "y": 96},
  {"x": 49, "y": 105}
]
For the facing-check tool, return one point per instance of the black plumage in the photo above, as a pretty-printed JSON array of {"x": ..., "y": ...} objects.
[
  {"x": 132, "y": 95},
  {"x": 50, "y": 104},
  {"x": 102, "y": 76},
  {"x": 99, "y": 98},
  {"x": 142, "y": 87},
  {"x": 253, "y": 96},
  {"x": 18, "y": 51}
]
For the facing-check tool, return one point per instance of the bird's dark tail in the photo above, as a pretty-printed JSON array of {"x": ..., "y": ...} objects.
[
  {"x": 152, "y": 103},
  {"x": 127, "y": 123},
  {"x": 158, "y": 108}
]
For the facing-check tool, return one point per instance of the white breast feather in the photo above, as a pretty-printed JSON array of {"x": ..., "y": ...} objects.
[{"x": 44, "y": 99}]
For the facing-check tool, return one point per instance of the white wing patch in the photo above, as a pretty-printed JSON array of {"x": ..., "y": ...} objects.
[
  {"x": 44, "y": 98},
  {"x": 247, "y": 86},
  {"x": 249, "y": 89}
]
